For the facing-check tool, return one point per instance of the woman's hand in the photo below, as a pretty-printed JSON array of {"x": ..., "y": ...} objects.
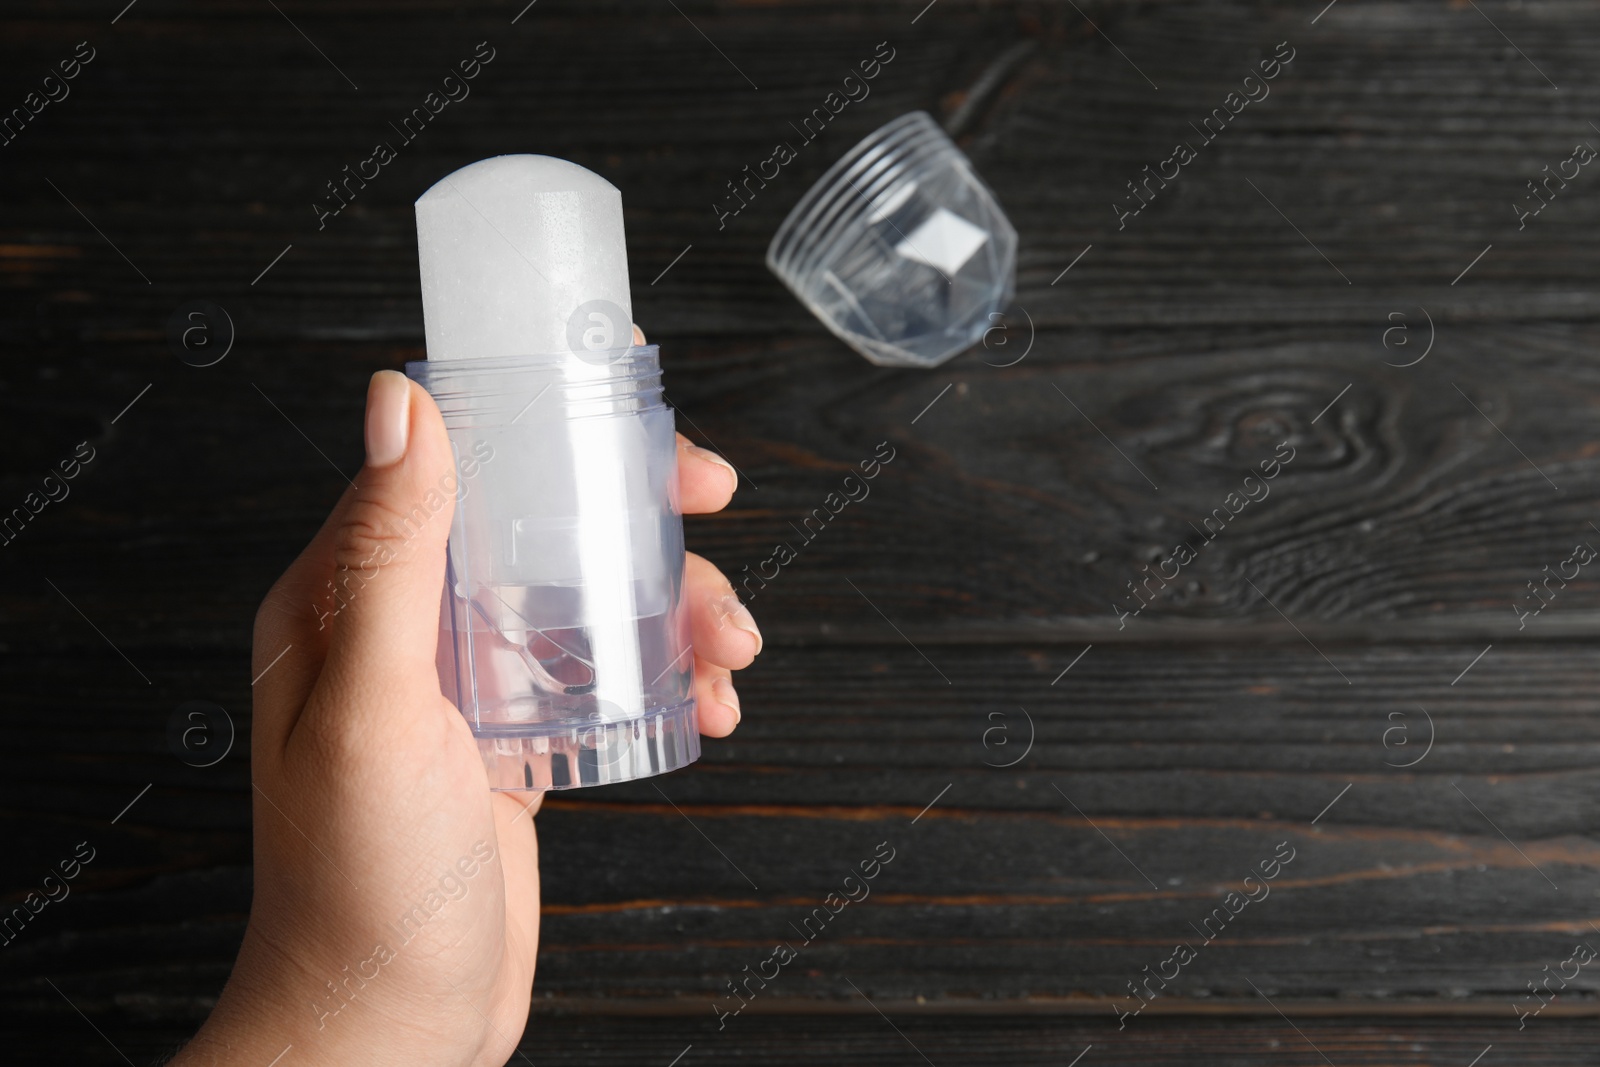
[{"x": 396, "y": 908}]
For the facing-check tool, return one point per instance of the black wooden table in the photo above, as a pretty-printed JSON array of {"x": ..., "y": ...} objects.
[{"x": 1348, "y": 670}]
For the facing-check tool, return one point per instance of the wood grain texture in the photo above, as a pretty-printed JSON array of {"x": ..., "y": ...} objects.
[
  {"x": 1027, "y": 1040},
  {"x": 1420, "y": 503},
  {"x": 1157, "y": 778},
  {"x": 920, "y": 639}
]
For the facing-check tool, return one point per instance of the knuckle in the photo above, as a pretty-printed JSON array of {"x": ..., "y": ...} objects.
[
  {"x": 376, "y": 532},
  {"x": 280, "y": 609}
]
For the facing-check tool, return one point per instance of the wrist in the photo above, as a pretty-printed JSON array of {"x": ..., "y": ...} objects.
[{"x": 274, "y": 1012}]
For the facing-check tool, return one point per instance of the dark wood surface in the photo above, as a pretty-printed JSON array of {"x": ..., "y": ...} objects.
[{"x": 920, "y": 640}]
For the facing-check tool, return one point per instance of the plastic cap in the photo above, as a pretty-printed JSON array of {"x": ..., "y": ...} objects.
[{"x": 900, "y": 248}]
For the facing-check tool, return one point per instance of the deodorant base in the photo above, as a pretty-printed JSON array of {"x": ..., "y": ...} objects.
[
  {"x": 655, "y": 743},
  {"x": 564, "y": 638}
]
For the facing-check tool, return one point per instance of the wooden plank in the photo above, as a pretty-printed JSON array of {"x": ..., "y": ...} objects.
[
  {"x": 1025, "y": 541},
  {"x": 263, "y": 123},
  {"x": 1418, "y": 501},
  {"x": 1157, "y": 779},
  {"x": 604, "y": 1041},
  {"x": 1196, "y": 738},
  {"x": 1403, "y": 197}
]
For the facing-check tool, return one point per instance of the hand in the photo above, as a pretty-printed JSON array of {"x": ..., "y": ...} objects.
[{"x": 396, "y": 908}]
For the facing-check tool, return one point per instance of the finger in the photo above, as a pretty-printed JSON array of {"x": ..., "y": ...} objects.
[
  {"x": 715, "y": 699},
  {"x": 291, "y": 631},
  {"x": 706, "y": 481},
  {"x": 288, "y": 646},
  {"x": 386, "y": 553},
  {"x": 722, "y": 628}
]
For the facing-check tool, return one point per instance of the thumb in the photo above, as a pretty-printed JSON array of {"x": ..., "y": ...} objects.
[{"x": 388, "y": 549}]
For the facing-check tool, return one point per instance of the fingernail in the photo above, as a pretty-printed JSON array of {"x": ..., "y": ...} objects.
[
  {"x": 735, "y": 612},
  {"x": 638, "y": 335},
  {"x": 707, "y": 454},
  {"x": 722, "y": 689},
  {"x": 388, "y": 417}
]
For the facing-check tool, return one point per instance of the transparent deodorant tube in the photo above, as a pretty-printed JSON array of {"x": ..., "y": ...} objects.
[{"x": 563, "y": 637}]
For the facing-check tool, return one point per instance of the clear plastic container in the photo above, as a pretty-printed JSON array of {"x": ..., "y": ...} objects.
[
  {"x": 900, "y": 248},
  {"x": 563, "y": 638}
]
